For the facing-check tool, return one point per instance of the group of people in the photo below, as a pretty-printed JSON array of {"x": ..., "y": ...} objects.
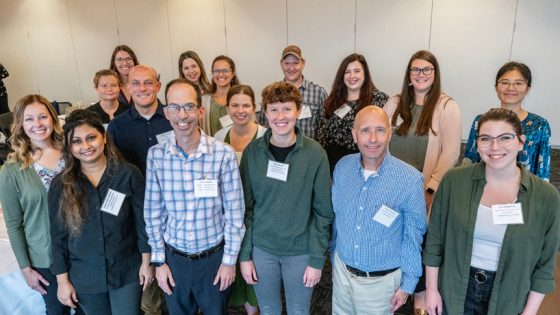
[{"x": 203, "y": 202}]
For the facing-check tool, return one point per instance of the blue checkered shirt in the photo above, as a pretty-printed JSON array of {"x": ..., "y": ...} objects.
[
  {"x": 174, "y": 216},
  {"x": 365, "y": 244}
]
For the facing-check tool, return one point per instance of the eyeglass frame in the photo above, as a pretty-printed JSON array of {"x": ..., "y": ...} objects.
[
  {"x": 221, "y": 71},
  {"x": 187, "y": 107},
  {"x": 501, "y": 142},
  {"x": 125, "y": 59},
  {"x": 517, "y": 84},
  {"x": 417, "y": 71}
]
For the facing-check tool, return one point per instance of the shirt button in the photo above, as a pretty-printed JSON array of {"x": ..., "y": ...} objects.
[
  {"x": 365, "y": 188},
  {"x": 150, "y": 139},
  {"x": 358, "y": 227},
  {"x": 361, "y": 208},
  {"x": 356, "y": 246}
]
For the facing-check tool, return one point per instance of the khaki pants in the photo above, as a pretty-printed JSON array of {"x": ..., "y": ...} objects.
[
  {"x": 153, "y": 302},
  {"x": 362, "y": 295}
]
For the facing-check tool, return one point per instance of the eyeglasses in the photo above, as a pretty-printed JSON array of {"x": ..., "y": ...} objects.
[
  {"x": 221, "y": 71},
  {"x": 125, "y": 59},
  {"x": 176, "y": 108},
  {"x": 426, "y": 71},
  {"x": 519, "y": 84},
  {"x": 484, "y": 141}
]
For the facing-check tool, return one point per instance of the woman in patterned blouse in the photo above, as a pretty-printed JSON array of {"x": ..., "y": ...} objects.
[
  {"x": 352, "y": 90},
  {"x": 513, "y": 82}
]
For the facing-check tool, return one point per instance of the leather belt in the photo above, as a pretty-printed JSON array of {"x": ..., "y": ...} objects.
[
  {"x": 202, "y": 254},
  {"x": 360, "y": 273}
]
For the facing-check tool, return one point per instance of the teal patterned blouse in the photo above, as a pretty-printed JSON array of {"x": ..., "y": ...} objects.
[{"x": 535, "y": 155}]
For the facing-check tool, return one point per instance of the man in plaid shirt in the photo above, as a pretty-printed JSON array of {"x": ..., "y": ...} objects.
[{"x": 193, "y": 209}]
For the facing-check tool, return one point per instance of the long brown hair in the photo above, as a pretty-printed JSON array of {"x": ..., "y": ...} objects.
[
  {"x": 72, "y": 210},
  {"x": 129, "y": 50},
  {"x": 22, "y": 148},
  {"x": 407, "y": 98},
  {"x": 234, "y": 80},
  {"x": 203, "y": 82},
  {"x": 339, "y": 92}
]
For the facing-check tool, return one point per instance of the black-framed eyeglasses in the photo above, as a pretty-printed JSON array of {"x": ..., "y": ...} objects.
[
  {"x": 426, "y": 71},
  {"x": 176, "y": 108},
  {"x": 504, "y": 139}
]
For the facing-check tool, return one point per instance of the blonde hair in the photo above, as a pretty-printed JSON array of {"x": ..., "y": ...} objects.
[{"x": 22, "y": 148}]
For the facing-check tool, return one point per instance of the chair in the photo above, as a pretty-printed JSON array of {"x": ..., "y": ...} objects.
[
  {"x": 61, "y": 107},
  {"x": 6, "y": 120}
]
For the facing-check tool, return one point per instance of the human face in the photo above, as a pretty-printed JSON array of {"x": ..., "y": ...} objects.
[
  {"x": 222, "y": 74},
  {"x": 184, "y": 123},
  {"x": 191, "y": 70},
  {"x": 282, "y": 118},
  {"x": 37, "y": 123},
  {"x": 108, "y": 88},
  {"x": 496, "y": 155},
  {"x": 143, "y": 86},
  {"x": 88, "y": 144},
  {"x": 512, "y": 88},
  {"x": 354, "y": 76},
  {"x": 123, "y": 62},
  {"x": 421, "y": 82},
  {"x": 372, "y": 133},
  {"x": 241, "y": 109},
  {"x": 292, "y": 67}
]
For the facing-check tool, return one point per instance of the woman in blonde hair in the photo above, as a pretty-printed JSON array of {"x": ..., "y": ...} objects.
[
  {"x": 36, "y": 158},
  {"x": 100, "y": 250}
]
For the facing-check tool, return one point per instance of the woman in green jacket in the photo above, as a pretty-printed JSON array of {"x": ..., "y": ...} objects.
[{"x": 494, "y": 230}]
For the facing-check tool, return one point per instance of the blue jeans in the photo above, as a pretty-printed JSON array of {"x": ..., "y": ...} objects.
[
  {"x": 124, "y": 300},
  {"x": 478, "y": 291},
  {"x": 272, "y": 271}
]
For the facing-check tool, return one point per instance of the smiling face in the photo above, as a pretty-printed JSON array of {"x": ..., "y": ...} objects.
[
  {"x": 421, "y": 82},
  {"x": 143, "y": 85},
  {"x": 512, "y": 88},
  {"x": 500, "y": 153},
  {"x": 354, "y": 76},
  {"x": 282, "y": 117},
  {"x": 37, "y": 123},
  {"x": 241, "y": 109},
  {"x": 292, "y": 67},
  {"x": 372, "y": 133},
  {"x": 184, "y": 123},
  {"x": 222, "y": 74},
  {"x": 123, "y": 62},
  {"x": 108, "y": 88},
  {"x": 88, "y": 144},
  {"x": 191, "y": 70}
]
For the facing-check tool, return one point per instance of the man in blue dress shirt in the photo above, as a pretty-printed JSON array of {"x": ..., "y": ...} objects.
[{"x": 380, "y": 218}]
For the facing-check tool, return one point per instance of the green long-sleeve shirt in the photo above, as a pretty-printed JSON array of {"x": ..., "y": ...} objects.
[
  {"x": 528, "y": 256},
  {"x": 287, "y": 218},
  {"x": 24, "y": 200}
]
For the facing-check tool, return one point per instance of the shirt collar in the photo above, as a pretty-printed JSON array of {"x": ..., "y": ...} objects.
[
  {"x": 135, "y": 115},
  {"x": 266, "y": 137},
  {"x": 205, "y": 146},
  {"x": 380, "y": 170},
  {"x": 479, "y": 174}
]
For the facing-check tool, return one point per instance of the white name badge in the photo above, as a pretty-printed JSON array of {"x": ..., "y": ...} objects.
[
  {"x": 385, "y": 216},
  {"x": 305, "y": 112},
  {"x": 507, "y": 214},
  {"x": 226, "y": 121},
  {"x": 113, "y": 202},
  {"x": 205, "y": 188},
  {"x": 166, "y": 137},
  {"x": 105, "y": 126},
  {"x": 277, "y": 170},
  {"x": 342, "y": 111}
]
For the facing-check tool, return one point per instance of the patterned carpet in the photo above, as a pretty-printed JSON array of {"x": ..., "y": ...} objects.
[{"x": 321, "y": 302}]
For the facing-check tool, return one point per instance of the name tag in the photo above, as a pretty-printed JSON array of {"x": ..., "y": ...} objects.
[
  {"x": 205, "y": 188},
  {"x": 113, "y": 202},
  {"x": 507, "y": 214},
  {"x": 105, "y": 126},
  {"x": 226, "y": 121},
  {"x": 385, "y": 216},
  {"x": 166, "y": 137},
  {"x": 305, "y": 112},
  {"x": 277, "y": 170},
  {"x": 342, "y": 111}
]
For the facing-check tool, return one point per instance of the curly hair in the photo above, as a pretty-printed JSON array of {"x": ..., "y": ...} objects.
[
  {"x": 280, "y": 92},
  {"x": 22, "y": 148}
]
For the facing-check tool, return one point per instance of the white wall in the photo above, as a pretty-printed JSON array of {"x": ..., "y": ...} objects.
[{"x": 54, "y": 47}]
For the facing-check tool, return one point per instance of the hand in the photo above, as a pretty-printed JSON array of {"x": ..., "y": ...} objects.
[
  {"x": 398, "y": 299},
  {"x": 248, "y": 272},
  {"x": 67, "y": 294},
  {"x": 225, "y": 276},
  {"x": 165, "y": 278},
  {"x": 146, "y": 275},
  {"x": 433, "y": 302},
  {"x": 311, "y": 277},
  {"x": 34, "y": 280}
]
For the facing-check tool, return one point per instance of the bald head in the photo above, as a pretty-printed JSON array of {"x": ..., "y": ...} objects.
[
  {"x": 372, "y": 133},
  {"x": 143, "y": 85},
  {"x": 372, "y": 110},
  {"x": 143, "y": 68}
]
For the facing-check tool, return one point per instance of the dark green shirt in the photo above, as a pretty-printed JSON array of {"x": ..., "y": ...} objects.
[
  {"x": 287, "y": 218},
  {"x": 528, "y": 256}
]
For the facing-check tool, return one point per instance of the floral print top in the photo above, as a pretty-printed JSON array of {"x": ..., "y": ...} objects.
[{"x": 46, "y": 175}]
